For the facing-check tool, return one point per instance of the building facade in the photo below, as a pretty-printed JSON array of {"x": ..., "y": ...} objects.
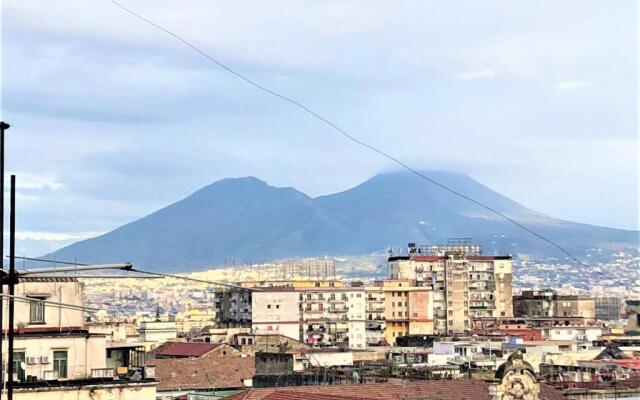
[
  {"x": 548, "y": 303},
  {"x": 408, "y": 309},
  {"x": 465, "y": 284},
  {"x": 276, "y": 311},
  {"x": 56, "y": 357}
]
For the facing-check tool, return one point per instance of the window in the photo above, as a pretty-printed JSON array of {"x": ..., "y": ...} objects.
[
  {"x": 277, "y": 306},
  {"x": 36, "y": 310},
  {"x": 18, "y": 358},
  {"x": 268, "y": 306},
  {"x": 60, "y": 363}
]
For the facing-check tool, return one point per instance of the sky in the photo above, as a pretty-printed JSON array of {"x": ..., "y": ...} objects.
[{"x": 113, "y": 119}]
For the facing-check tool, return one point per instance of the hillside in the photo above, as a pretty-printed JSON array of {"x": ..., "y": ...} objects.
[{"x": 246, "y": 220}]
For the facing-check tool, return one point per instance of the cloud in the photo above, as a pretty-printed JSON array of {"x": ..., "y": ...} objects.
[
  {"x": 113, "y": 119},
  {"x": 30, "y": 181},
  {"x": 572, "y": 85},
  {"x": 476, "y": 75}
]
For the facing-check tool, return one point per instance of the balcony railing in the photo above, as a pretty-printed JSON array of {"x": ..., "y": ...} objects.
[{"x": 103, "y": 372}]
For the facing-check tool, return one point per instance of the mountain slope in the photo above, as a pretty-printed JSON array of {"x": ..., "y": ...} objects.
[{"x": 247, "y": 220}]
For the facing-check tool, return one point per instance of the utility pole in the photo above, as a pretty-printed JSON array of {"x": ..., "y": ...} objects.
[
  {"x": 12, "y": 283},
  {"x": 3, "y": 127}
]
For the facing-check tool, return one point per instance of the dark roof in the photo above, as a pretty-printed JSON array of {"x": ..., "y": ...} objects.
[
  {"x": 203, "y": 373},
  {"x": 184, "y": 349}
]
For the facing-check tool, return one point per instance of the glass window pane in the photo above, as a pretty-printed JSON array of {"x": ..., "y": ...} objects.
[{"x": 60, "y": 363}]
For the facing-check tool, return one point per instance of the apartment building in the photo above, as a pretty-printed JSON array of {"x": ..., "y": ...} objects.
[
  {"x": 333, "y": 316},
  {"x": 408, "y": 309},
  {"x": 56, "y": 357},
  {"x": 465, "y": 284},
  {"x": 322, "y": 316},
  {"x": 608, "y": 308},
  {"x": 232, "y": 308},
  {"x": 548, "y": 303},
  {"x": 375, "y": 316},
  {"x": 276, "y": 311}
]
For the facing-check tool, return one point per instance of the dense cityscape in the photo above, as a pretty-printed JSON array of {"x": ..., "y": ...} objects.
[
  {"x": 447, "y": 314},
  {"x": 319, "y": 200}
]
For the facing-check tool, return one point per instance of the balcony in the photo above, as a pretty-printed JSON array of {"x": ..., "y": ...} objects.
[
  {"x": 109, "y": 373},
  {"x": 337, "y": 310}
]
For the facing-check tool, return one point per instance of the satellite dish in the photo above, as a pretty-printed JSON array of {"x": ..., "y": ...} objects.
[{"x": 23, "y": 365}]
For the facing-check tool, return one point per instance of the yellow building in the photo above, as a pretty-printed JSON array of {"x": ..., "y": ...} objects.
[
  {"x": 194, "y": 320},
  {"x": 408, "y": 309}
]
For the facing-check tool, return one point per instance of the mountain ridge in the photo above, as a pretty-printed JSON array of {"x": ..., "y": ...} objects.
[{"x": 247, "y": 220}]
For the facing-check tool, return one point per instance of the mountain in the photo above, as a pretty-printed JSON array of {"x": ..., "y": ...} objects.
[{"x": 246, "y": 220}]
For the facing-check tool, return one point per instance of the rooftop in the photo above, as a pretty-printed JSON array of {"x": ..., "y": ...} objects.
[
  {"x": 184, "y": 349},
  {"x": 203, "y": 373},
  {"x": 443, "y": 390}
]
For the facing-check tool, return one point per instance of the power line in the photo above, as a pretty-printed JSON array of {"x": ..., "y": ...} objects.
[
  {"x": 358, "y": 141},
  {"x": 155, "y": 274}
]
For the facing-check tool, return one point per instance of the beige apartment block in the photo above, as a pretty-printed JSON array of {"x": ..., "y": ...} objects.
[
  {"x": 408, "y": 309},
  {"x": 465, "y": 283}
]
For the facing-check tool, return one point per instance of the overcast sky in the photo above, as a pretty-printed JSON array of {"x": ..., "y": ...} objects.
[{"x": 113, "y": 119}]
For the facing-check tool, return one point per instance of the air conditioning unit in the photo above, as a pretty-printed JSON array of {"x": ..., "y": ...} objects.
[
  {"x": 32, "y": 360},
  {"x": 44, "y": 360}
]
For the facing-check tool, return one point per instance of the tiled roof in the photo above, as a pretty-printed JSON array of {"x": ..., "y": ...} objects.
[
  {"x": 203, "y": 373},
  {"x": 441, "y": 390},
  {"x": 184, "y": 349},
  {"x": 550, "y": 393},
  {"x": 444, "y": 390}
]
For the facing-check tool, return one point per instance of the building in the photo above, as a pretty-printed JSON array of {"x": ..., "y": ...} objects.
[
  {"x": 535, "y": 303},
  {"x": 465, "y": 283},
  {"x": 548, "y": 303},
  {"x": 183, "y": 368},
  {"x": 154, "y": 333},
  {"x": 408, "y": 309},
  {"x": 515, "y": 379},
  {"x": 276, "y": 311},
  {"x": 333, "y": 316},
  {"x": 318, "y": 315},
  {"x": 633, "y": 323},
  {"x": 56, "y": 357},
  {"x": 190, "y": 349},
  {"x": 193, "y": 321},
  {"x": 250, "y": 343},
  {"x": 375, "y": 315},
  {"x": 232, "y": 307},
  {"x": 608, "y": 308}
]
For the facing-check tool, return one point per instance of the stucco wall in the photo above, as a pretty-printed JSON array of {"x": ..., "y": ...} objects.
[{"x": 133, "y": 392}]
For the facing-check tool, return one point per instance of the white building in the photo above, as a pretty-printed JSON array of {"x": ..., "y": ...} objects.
[
  {"x": 155, "y": 333},
  {"x": 55, "y": 357},
  {"x": 276, "y": 312}
]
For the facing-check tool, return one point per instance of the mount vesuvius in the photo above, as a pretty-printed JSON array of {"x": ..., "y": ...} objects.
[{"x": 246, "y": 220}]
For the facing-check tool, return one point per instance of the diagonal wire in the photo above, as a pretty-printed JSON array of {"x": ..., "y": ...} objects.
[{"x": 356, "y": 140}]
